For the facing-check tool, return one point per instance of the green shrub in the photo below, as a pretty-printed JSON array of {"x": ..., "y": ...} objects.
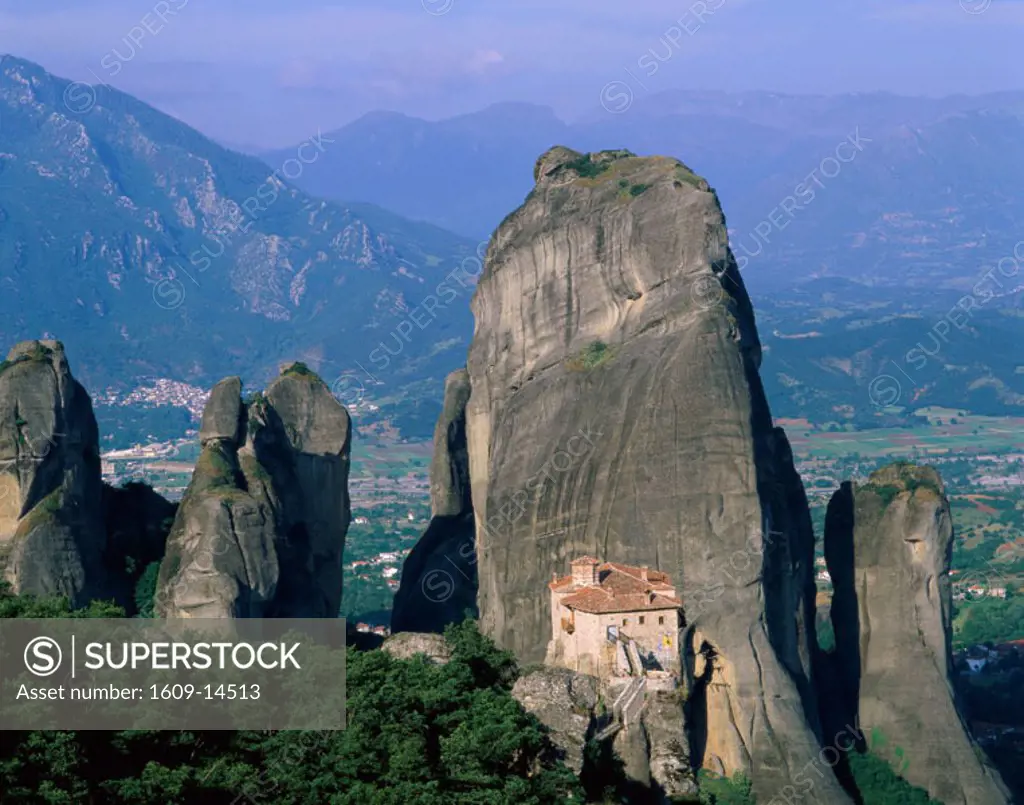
[
  {"x": 637, "y": 189},
  {"x": 299, "y": 369},
  {"x": 879, "y": 784},
  {"x": 586, "y": 167},
  {"x": 39, "y": 352},
  {"x": 254, "y": 398},
  {"x": 887, "y": 492},
  {"x": 686, "y": 176},
  {"x": 989, "y": 620},
  {"x": 592, "y": 355},
  {"x": 717, "y": 790},
  {"x": 31, "y": 606},
  {"x": 145, "y": 590}
]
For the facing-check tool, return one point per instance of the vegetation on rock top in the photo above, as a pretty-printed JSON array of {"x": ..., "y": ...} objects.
[
  {"x": 299, "y": 369},
  {"x": 39, "y": 352},
  {"x": 586, "y": 167},
  {"x": 889, "y": 482}
]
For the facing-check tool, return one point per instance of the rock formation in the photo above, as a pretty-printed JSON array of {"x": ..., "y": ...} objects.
[
  {"x": 261, "y": 528},
  {"x": 888, "y": 546},
  {"x": 433, "y": 647},
  {"x": 668, "y": 754},
  {"x": 442, "y": 565},
  {"x": 615, "y": 409},
  {"x": 649, "y": 758},
  {"x": 52, "y": 536},
  {"x": 566, "y": 703}
]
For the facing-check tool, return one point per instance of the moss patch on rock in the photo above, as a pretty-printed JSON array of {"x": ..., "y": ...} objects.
[
  {"x": 252, "y": 469},
  {"x": 890, "y": 482},
  {"x": 684, "y": 176},
  {"x": 586, "y": 167},
  {"x": 591, "y": 356},
  {"x": 214, "y": 469},
  {"x": 299, "y": 369},
  {"x": 46, "y": 511}
]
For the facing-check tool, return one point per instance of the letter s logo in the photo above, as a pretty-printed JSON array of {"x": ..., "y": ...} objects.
[{"x": 43, "y": 656}]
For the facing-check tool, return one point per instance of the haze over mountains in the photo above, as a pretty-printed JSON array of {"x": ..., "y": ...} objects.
[
  {"x": 164, "y": 249},
  {"x": 931, "y": 181},
  {"x": 168, "y": 255},
  {"x": 912, "y": 200}
]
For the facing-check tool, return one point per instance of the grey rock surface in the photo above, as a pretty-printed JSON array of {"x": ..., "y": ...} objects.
[
  {"x": 222, "y": 416},
  {"x": 407, "y": 645},
  {"x": 261, "y": 528},
  {"x": 629, "y": 748},
  {"x": 52, "y": 534},
  {"x": 565, "y": 702},
  {"x": 888, "y": 546},
  {"x": 616, "y": 410},
  {"x": 439, "y": 576},
  {"x": 667, "y": 748},
  {"x": 449, "y": 468}
]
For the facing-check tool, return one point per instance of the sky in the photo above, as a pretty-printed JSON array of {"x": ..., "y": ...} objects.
[{"x": 262, "y": 73}]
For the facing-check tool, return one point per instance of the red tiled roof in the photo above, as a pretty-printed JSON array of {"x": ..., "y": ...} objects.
[
  {"x": 655, "y": 577},
  {"x": 620, "y": 589}
]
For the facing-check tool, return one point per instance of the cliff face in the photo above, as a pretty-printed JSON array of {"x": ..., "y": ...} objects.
[
  {"x": 616, "y": 410},
  {"x": 888, "y": 546},
  {"x": 52, "y": 535},
  {"x": 261, "y": 528},
  {"x": 439, "y": 577}
]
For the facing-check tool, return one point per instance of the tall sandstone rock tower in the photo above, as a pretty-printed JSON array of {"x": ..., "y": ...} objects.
[
  {"x": 261, "y": 528},
  {"x": 888, "y": 545},
  {"x": 52, "y": 534},
  {"x": 615, "y": 409}
]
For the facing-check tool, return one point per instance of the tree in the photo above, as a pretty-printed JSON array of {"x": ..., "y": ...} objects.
[
  {"x": 417, "y": 733},
  {"x": 879, "y": 784},
  {"x": 145, "y": 590},
  {"x": 717, "y": 790},
  {"x": 30, "y": 606}
]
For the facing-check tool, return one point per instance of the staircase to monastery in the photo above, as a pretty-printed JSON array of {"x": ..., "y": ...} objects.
[{"x": 629, "y": 704}]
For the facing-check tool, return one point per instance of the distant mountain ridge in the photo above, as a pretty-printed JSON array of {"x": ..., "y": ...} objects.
[
  {"x": 155, "y": 252},
  {"x": 458, "y": 173},
  {"x": 930, "y": 194}
]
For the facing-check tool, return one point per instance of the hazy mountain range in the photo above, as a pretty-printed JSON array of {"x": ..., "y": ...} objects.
[
  {"x": 155, "y": 252},
  {"x": 875, "y": 187}
]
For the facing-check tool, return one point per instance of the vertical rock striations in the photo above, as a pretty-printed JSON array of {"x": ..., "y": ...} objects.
[
  {"x": 888, "y": 546},
  {"x": 52, "y": 535},
  {"x": 616, "y": 410},
  {"x": 261, "y": 528},
  {"x": 439, "y": 577}
]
